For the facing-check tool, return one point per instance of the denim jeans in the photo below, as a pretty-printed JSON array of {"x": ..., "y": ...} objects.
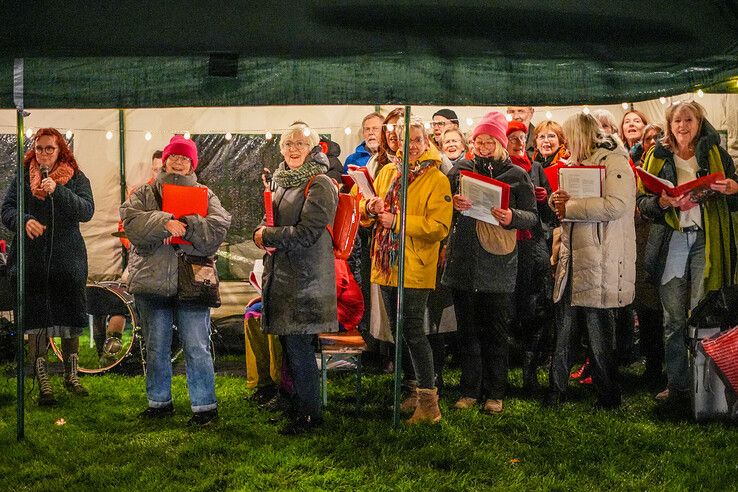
[
  {"x": 413, "y": 332},
  {"x": 483, "y": 321},
  {"x": 158, "y": 314},
  {"x": 678, "y": 296},
  {"x": 600, "y": 326},
  {"x": 302, "y": 366}
]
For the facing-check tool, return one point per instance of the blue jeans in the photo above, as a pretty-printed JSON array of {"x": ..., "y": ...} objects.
[
  {"x": 303, "y": 368},
  {"x": 678, "y": 296},
  {"x": 158, "y": 314}
]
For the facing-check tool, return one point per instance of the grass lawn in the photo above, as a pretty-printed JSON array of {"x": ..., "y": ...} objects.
[{"x": 104, "y": 446}]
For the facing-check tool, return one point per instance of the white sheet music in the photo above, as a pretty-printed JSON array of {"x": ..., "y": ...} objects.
[
  {"x": 581, "y": 182},
  {"x": 365, "y": 187},
  {"x": 484, "y": 196}
]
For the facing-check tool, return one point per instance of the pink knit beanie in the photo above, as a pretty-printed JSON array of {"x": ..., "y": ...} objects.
[
  {"x": 493, "y": 124},
  {"x": 179, "y": 145}
]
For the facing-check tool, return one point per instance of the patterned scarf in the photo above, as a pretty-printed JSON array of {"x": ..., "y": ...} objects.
[
  {"x": 562, "y": 153},
  {"x": 387, "y": 241},
  {"x": 61, "y": 173},
  {"x": 315, "y": 163}
]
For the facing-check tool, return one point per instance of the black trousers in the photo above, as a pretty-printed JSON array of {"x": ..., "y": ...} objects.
[
  {"x": 600, "y": 326},
  {"x": 483, "y": 324}
]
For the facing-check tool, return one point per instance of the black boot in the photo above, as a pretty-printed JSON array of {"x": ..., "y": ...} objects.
[
  {"x": 45, "y": 391},
  {"x": 531, "y": 386},
  {"x": 71, "y": 379}
]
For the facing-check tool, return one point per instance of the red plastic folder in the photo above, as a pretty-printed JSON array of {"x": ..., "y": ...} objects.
[
  {"x": 656, "y": 185},
  {"x": 505, "y": 200},
  {"x": 184, "y": 200}
]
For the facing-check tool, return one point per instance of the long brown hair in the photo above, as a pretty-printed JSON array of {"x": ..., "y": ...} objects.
[
  {"x": 622, "y": 123},
  {"x": 65, "y": 153},
  {"x": 382, "y": 158}
]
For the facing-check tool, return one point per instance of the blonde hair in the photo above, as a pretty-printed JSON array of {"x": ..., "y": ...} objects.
[
  {"x": 499, "y": 154},
  {"x": 583, "y": 134},
  {"x": 669, "y": 140},
  {"x": 415, "y": 122},
  {"x": 299, "y": 129},
  {"x": 460, "y": 134}
]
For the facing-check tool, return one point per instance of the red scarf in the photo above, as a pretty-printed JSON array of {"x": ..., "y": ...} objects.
[
  {"x": 62, "y": 172},
  {"x": 522, "y": 161}
]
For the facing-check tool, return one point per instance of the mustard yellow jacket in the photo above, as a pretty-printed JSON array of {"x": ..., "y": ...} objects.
[{"x": 429, "y": 211}]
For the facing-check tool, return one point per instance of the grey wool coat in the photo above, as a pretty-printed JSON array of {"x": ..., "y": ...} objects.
[
  {"x": 299, "y": 282},
  {"x": 152, "y": 264}
]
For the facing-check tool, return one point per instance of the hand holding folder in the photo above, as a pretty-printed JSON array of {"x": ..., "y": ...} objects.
[{"x": 184, "y": 200}]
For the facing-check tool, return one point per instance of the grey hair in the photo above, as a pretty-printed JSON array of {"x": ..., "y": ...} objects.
[
  {"x": 605, "y": 116},
  {"x": 299, "y": 129}
]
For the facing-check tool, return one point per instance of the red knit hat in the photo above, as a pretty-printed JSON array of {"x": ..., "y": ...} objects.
[
  {"x": 516, "y": 126},
  {"x": 493, "y": 124},
  {"x": 179, "y": 145}
]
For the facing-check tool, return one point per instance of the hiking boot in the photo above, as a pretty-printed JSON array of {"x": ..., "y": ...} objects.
[
  {"x": 410, "y": 402},
  {"x": 71, "y": 379},
  {"x": 202, "y": 419},
  {"x": 465, "y": 402},
  {"x": 427, "y": 410},
  {"x": 45, "y": 391},
  {"x": 492, "y": 407},
  {"x": 158, "y": 412},
  {"x": 301, "y": 425}
]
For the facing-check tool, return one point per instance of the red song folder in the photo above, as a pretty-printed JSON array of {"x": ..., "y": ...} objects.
[
  {"x": 656, "y": 185},
  {"x": 184, "y": 200}
]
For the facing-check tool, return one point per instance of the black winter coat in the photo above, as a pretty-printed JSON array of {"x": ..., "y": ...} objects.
[
  {"x": 62, "y": 242},
  {"x": 335, "y": 167},
  {"x": 470, "y": 267}
]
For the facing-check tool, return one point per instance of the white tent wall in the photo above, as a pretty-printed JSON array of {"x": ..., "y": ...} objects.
[{"x": 98, "y": 157}]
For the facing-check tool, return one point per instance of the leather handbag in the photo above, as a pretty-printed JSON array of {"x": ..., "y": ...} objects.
[{"x": 197, "y": 279}]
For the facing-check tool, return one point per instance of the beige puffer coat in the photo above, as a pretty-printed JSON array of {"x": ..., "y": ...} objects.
[{"x": 602, "y": 250}]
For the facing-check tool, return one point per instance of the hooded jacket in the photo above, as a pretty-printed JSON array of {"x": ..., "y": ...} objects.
[
  {"x": 152, "y": 265},
  {"x": 332, "y": 150},
  {"x": 597, "y": 254},
  {"x": 359, "y": 158},
  {"x": 428, "y": 219}
]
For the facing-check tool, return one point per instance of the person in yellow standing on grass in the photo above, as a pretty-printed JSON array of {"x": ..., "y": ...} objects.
[{"x": 429, "y": 212}]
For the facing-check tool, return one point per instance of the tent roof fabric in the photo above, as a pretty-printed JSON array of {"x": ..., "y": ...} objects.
[{"x": 127, "y": 54}]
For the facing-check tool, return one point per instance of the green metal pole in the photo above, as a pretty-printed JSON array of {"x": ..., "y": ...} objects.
[
  {"x": 21, "y": 271},
  {"x": 401, "y": 273},
  {"x": 122, "y": 171}
]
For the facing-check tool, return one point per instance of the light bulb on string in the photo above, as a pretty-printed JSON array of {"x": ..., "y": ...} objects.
[
  {"x": 427, "y": 125},
  {"x": 228, "y": 136},
  {"x": 347, "y": 130},
  {"x": 700, "y": 93},
  {"x": 625, "y": 106},
  {"x": 549, "y": 115},
  {"x": 109, "y": 135},
  {"x": 69, "y": 134},
  {"x": 390, "y": 127},
  {"x": 508, "y": 117},
  {"x": 662, "y": 100},
  {"x": 29, "y": 132},
  {"x": 585, "y": 110},
  {"x": 186, "y": 135},
  {"x": 470, "y": 121},
  {"x": 306, "y": 132},
  {"x": 268, "y": 135},
  {"x": 147, "y": 136}
]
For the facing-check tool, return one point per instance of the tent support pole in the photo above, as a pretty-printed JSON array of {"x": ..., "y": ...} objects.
[
  {"x": 122, "y": 171},
  {"x": 21, "y": 247},
  {"x": 400, "y": 318}
]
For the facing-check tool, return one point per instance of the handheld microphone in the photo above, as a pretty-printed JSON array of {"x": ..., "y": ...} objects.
[{"x": 44, "y": 172}]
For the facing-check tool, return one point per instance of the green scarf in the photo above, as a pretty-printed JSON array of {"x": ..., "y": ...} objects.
[
  {"x": 716, "y": 220},
  {"x": 290, "y": 178}
]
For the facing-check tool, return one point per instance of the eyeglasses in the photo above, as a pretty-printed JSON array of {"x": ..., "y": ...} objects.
[
  {"x": 485, "y": 143},
  {"x": 49, "y": 149},
  {"x": 438, "y": 123},
  {"x": 174, "y": 159},
  {"x": 547, "y": 136},
  {"x": 417, "y": 140},
  {"x": 520, "y": 138},
  {"x": 296, "y": 145}
]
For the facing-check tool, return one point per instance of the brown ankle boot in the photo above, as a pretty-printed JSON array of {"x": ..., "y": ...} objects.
[
  {"x": 45, "y": 391},
  {"x": 71, "y": 380},
  {"x": 410, "y": 402},
  {"x": 427, "y": 410}
]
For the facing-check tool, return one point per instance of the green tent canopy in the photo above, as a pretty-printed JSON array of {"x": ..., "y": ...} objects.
[{"x": 165, "y": 54}]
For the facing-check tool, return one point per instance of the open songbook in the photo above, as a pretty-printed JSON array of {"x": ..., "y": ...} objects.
[
  {"x": 582, "y": 181},
  {"x": 485, "y": 194},
  {"x": 362, "y": 178},
  {"x": 696, "y": 187}
]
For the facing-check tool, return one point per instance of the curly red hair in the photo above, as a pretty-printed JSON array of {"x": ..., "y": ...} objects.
[{"x": 65, "y": 153}]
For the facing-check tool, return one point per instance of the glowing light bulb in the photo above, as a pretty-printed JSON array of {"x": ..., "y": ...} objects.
[
  {"x": 508, "y": 117},
  {"x": 306, "y": 132},
  {"x": 470, "y": 121},
  {"x": 109, "y": 135},
  {"x": 29, "y": 132},
  {"x": 186, "y": 135},
  {"x": 147, "y": 136},
  {"x": 347, "y": 130},
  {"x": 549, "y": 115},
  {"x": 625, "y": 106},
  {"x": 585, "y": 110},
  {"x": 700, "y": 93},
  {"x": 390, "y": 127},
  {"x": 662, "y": 100},
  {"x": 69, "y": 134},
  {"x": 228, "y": 136},
  {"x": 427, "y": 125},
  {"x": 268, "y": 135}
]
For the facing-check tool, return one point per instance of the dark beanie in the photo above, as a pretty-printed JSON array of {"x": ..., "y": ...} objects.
[{"x": 448, "y": 114}]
